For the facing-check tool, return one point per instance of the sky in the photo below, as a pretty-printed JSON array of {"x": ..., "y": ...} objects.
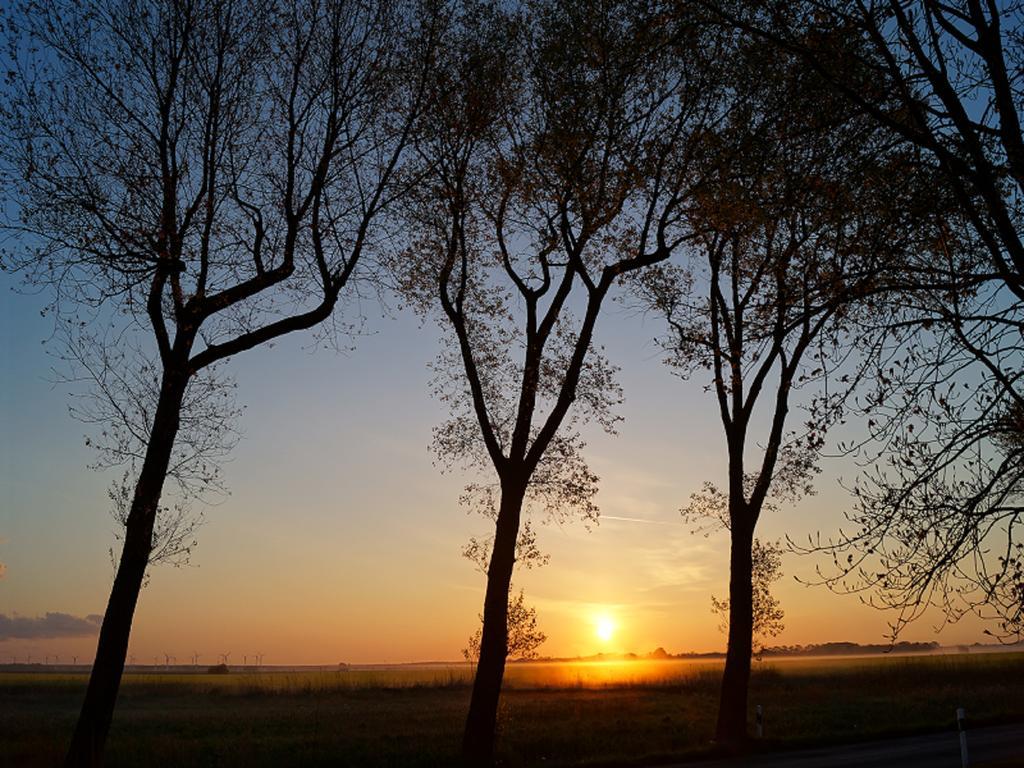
[{"x": 340, "y": 540}]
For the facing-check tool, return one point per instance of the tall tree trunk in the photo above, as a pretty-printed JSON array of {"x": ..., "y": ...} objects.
[
  {"x": 731, "y": 731},
  {"x": 90, "y": 736},
  {"x": 481, "y": 722}
]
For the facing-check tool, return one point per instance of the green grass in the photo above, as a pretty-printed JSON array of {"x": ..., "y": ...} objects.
[{"x": 551, "y": 714}]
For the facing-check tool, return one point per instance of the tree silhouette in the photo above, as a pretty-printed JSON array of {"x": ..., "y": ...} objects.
[
  {"x": 805, "y": 218},
  {"x": 524, "y": 638},
  {"x": 556, "y": 161},
  {"x": 767, "y": 613},
  {"x": 937, "y": 520},
  {"x": 708, "y": 512},
  {"x": 202, "y": 177}
]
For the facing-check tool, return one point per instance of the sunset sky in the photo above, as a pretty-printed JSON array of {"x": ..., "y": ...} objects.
[{"x": 341, "y": 540}]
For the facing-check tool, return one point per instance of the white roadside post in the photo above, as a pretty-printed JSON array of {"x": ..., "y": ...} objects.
[
  {"x": 759, "y": 720},
  {"x": 961, "y": 726}
]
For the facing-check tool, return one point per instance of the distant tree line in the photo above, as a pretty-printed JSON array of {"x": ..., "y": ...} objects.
[{"x": 820, "y": 199}]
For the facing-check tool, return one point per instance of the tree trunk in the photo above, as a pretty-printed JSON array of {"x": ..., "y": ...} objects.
[
  {"x": 90, "y": 736},
  {"x": 481, "y": 722},
  {"x": 731, "y": 732}
]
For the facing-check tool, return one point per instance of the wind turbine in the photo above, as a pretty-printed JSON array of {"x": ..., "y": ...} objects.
[
  {"x": 224, "y": 658},
  {"x": 195, "y": 658}
]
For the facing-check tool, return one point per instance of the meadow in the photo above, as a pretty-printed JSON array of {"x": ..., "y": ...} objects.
[{"x": 568, "y": 713}]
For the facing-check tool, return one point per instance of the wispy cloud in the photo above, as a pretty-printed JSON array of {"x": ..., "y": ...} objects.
[{"x": 52, "y": 625}]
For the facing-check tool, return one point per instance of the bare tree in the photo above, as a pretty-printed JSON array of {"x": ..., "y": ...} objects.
[
  {"x": 805, "y": 218},
  {"x": 205, "y": 174},
  {"x": 937, "y": 511},
  {"x": 116, "y": 391},
  {"x": 558, "y": 161},
  {"x": 937, "y": 520}
]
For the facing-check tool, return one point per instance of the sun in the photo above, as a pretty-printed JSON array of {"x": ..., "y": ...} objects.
[{"x": 605, "y": 628}]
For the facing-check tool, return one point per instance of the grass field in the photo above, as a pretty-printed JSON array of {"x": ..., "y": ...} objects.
[{"x": 551, "y": 714}]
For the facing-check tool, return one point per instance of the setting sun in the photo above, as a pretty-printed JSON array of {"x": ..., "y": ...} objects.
[{"x": 605, "y": 628}]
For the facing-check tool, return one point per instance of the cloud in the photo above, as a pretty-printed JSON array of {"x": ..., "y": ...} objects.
[{"x": 52, "y": 625}]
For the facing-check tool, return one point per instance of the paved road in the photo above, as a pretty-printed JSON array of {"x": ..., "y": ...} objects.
[{"x": 936, "y": 750}]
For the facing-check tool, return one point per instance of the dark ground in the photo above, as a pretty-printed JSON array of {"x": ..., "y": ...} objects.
[{"x": 314, "y": 719}]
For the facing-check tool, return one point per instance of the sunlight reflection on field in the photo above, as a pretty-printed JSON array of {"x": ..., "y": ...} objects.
[
  {"x": 582, "y": 674},
  {"x": 521, "y": 675},
  {"x": 597, "y": 674},
  {"x": 540, "y": 674}
]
